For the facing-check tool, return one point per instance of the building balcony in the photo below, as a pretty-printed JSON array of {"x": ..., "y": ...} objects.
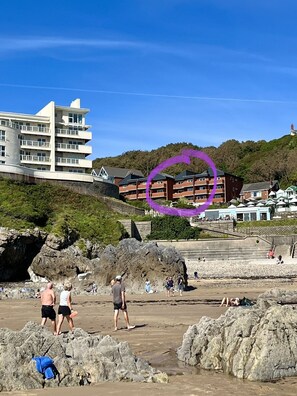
[
  {"x": 74, "y": 162},
  {"x": 34, "y": 129},
  {"x": 30, "y": 129},
  {"x": 34, "y": 159},
  {"x": 77, "y": 148},
  {"x": 35, "y": 144},
  {"x": 125, "y": 189},
  {"x": 155, "y": 195},
  {"x": 78, "y": 134}
]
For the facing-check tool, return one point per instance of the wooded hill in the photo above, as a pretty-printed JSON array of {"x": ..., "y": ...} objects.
[
  {"x": 254, "y": 161},
  {"x": 57, "y": 210}
]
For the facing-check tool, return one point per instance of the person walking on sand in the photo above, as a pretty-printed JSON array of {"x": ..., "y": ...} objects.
[
  {"x": 48, "y": 300},
  {"x": 119, "y": 302},
  {"x": 65, "y": 307}
]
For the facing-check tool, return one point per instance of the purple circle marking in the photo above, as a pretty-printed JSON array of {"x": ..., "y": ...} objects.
[{"x": 185, "y": 158}]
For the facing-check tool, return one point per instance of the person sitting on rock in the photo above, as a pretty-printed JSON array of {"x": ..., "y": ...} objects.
[{"x": 148, "y": 288}]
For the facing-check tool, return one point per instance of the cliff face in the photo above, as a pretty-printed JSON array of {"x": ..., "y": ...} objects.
[
  {"x": 83, "y": 263},
  {"x": 17, "y": 251}
]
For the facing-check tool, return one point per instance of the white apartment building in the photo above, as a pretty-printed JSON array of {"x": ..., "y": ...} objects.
[{"x": 53, "y": 140}]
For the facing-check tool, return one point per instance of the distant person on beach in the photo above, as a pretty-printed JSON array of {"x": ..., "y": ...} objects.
[
  {"x": 279, "y": 260},
  {"x": 180, "y": 284},
  {"x": 270, "y": 254},
  {"x": 230, "y": 302},
  {"x": 48, "y": 300},
  {"x": 170, "y": 287},
  {"x": 119, "y": 302},
  {"x": 196, "y": 275},
  {"x": 148, "y": 288},
  {"x": 65, "y": 307}
]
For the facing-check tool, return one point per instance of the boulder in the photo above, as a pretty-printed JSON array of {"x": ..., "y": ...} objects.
[
  {"x": 258, "y": 343},
  {"x": 79, "y": 358},
  {"x": 137, "y": 261}
]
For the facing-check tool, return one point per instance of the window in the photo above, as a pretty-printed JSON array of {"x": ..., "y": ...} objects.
[
  {"x": 2, "y": 151},
  {"x": 2, "y": 135},
  {"x": 253, "y": 216},
  {"x": 75, "y": 118}
]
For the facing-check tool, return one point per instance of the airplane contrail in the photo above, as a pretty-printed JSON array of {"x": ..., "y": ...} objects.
[{"x": 156, "y": 95}]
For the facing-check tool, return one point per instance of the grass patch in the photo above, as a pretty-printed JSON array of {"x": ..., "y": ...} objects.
[{"x": 57, "y": 210}]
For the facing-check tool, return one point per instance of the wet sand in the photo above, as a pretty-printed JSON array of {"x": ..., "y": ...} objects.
[{"x": 160, "y": 324}]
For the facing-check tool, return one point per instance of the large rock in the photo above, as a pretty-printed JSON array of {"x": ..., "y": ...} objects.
[
  {"x": 136, "y": 261},
  {"x": 59, "y": 259},
  {"x": 256, "y": 343},
  {"x": 80, "y": 359}
]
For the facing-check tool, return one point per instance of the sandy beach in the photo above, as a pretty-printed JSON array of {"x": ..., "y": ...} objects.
[{"x": 160, "y": 324}]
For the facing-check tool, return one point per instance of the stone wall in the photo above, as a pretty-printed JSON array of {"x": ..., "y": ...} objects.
[
  {"x": 270, "y": 230},
  {"x": 138, "y": 230},
  {"x": 144, "y": 228}
]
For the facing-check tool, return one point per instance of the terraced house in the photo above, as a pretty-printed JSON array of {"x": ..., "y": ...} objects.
[{"x": 52, "y": 140}]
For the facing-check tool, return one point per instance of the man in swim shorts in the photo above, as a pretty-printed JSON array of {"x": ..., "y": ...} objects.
[
  {"x": 119, "y": 302},
  {"x": 48, "y": 300}
]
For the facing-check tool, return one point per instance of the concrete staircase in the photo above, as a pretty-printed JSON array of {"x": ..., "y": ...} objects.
[{"x": 240, "y": 249}]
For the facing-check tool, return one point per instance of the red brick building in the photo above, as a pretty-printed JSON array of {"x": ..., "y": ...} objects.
[
  {"x": 133, "y": 187},
  {"x": 194, "y": 187}
]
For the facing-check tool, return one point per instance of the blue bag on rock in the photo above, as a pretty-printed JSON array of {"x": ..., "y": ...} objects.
[{"x": 45, "y": 365}]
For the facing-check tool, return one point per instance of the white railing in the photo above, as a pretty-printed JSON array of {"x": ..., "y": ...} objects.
[
  {"x": 34, "y": 143},
  {"x": 67, "y": 146},
  {"x": 28, "y": 128},
  {"x": 67, "y": 132},
  {"x": 34, "y": 158},
  {"x": 67, "y": 160}
]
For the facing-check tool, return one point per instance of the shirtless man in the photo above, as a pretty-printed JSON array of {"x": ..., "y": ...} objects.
[{"x": 48, "y": 300}]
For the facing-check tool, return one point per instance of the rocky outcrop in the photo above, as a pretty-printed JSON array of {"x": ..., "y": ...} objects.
[
  {"x": 136, "y": 261},
  {"x": 48, "y": 257},
  {"x": 17, "y": 250},
  {"x": 80, "y": 359},
  {"x": 258, "y": 343},
  {"x": 59, "y": 259}
]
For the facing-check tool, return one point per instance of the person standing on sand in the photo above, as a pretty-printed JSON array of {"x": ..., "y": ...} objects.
[
  {"x": 119, "y": 302},
  {"x": 48, "y": 300},
  {"x": 65, "y": 307}
]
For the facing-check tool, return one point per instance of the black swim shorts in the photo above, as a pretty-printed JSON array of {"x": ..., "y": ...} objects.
[
  {"x": 117, "y": 306},
  {"x": 64, "y": 310},
  {"x": 47, "y": 311}
]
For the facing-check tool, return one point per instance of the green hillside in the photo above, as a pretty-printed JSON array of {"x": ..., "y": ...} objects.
[
  {"x": 57, "y": 210},
  {"x": 254, "y": 161}
]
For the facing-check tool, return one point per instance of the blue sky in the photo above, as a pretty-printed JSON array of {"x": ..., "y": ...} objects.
[{"x": 155, "y": 72}]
